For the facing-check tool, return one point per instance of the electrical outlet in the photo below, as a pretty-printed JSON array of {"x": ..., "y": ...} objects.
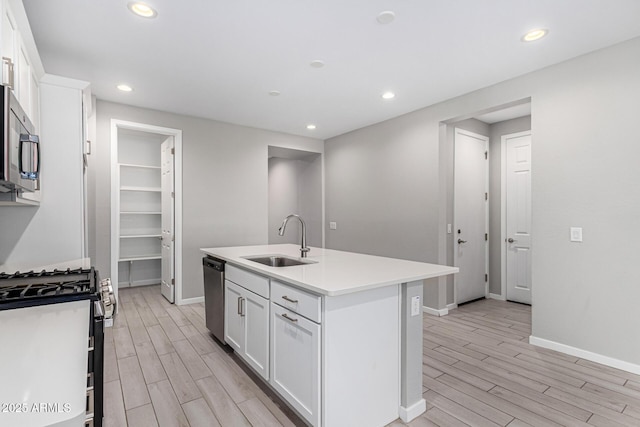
[
  {"x": 415, "y": 305},
  {"x": 333, "y": 225},
  {"x": 576, "y": 234}
]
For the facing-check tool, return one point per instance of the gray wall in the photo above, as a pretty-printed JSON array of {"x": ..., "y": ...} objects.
[
  {"x": 225, "y": 190},
  {"x": 496, "y": 131},
  {"x": 295, "y": 186},
  {"x": 384, "y": 186},
  {"x": 53, "y": 232}
]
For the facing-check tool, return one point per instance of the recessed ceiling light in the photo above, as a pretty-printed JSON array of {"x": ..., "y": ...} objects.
[
  {"x": 388, "y": 95},
  {"x": 274, "y": 92},
  {"x": 311, "y": 126},
  {"x": 386, "y": 17},
  {"x": 317, "y": 63},
  {"x": 142, "y": 9},
  {"x": 124, "y": 88},
  {"x": 534, "y": 35}
]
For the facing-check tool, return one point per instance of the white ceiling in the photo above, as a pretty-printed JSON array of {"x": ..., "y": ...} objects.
[{"x": 218, "y": 59}]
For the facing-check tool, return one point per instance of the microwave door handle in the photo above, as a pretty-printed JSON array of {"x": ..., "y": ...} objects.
[
  {"x": 20, "y": 165},
  {"x": 37, "y": 168}
]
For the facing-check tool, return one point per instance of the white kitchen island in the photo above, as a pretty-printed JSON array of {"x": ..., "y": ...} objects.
[{"x": 339, "y": 338}]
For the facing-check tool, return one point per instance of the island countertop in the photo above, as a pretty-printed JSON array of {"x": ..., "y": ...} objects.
[{"x": 334, "y": 272}]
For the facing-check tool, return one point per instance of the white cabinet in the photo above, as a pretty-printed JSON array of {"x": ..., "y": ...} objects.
[
  {"x": 18, "y": 70},
  {"x": 246, "y": 327},
  {"x": 295, "y": 361}
]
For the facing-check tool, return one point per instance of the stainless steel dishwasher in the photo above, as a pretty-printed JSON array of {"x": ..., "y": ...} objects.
[{"x": 214, "y": 296}]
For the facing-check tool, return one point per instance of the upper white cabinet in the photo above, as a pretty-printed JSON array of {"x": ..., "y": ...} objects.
[{"x": 19, "y": 70}]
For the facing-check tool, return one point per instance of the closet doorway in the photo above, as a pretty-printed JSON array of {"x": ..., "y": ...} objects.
[{"x": 145, "y": 214}]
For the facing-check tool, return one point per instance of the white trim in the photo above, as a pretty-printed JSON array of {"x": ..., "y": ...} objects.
[
  {"x": 503, "y": 209},
  {"x": 413, "y": 411},
  {"x": 177, "y": 183},
  {"x": 498, "y": 297},
  {"x": 452, "y": 306},
  {"x": 190, "y": 300},
  {"x": 584, "y": 354},
  {"x": 435, "y": 311},
  {"x": 485, "y": 138}
]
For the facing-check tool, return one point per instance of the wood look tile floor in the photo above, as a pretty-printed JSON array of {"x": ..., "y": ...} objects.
[{"x": 163, "y": 368}]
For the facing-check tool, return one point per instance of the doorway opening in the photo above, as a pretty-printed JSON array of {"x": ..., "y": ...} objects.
[
  {"x": 295, "y": 187},
  {"x": 146, "y": 205},
  {"x": 507, "y": 265}
]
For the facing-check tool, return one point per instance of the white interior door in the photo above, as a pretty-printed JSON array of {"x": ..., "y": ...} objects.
[
  {"x": 518, "y": 217},
  {"x": 167, "y": 223},
  {"x": 470, "y": 212}
]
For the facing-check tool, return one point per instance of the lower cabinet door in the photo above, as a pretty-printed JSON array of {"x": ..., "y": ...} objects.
[
  {"x": 234, "y": 323},
  {"x": 295, "y": 361},
  {"x": 256, "y": 350}
]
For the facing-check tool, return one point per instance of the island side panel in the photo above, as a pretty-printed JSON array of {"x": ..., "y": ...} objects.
[
  {"x": 361, "y": 358},
  {"x": 412, "y": 403}
]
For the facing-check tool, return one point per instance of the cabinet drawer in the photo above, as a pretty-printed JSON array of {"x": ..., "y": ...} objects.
[
  {"x": 248, "y": 280},
  {"x": 297, "y": 300}
]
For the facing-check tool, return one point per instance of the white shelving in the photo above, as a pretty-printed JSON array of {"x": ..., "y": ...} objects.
[{"x": 139, "y": 208}]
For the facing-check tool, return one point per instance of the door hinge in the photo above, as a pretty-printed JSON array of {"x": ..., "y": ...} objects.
[
  {"x": 486, "y": 196},
  {"x": 173, "y": 281},
  {"x": 486, "y": 277},
  {"x": 486, "y": 155},
  {"x": 173, "y": 151},
  {"x": 486, "y": 236},
  {"x": 173, "y": 194}
]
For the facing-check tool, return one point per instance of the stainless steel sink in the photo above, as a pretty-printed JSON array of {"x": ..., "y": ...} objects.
[{"x": 278, "y": 260}]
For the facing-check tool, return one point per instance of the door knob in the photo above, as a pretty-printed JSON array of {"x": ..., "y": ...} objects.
[
  {"x": 510, "y": 240},
  {"x": 460, "y": 241}
]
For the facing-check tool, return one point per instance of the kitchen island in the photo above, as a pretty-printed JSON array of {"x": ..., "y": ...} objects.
[{"x": 339, "y": 337}]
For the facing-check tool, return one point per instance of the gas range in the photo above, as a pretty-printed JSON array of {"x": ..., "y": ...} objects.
[
  {"x": 52, "y": 295},
  {"x": 27, "y": 289}
]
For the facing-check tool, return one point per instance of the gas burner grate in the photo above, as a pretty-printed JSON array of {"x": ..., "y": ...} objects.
[{"x": 46, "y": 284}]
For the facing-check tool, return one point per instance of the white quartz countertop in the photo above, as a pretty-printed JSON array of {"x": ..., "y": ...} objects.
[{"x": 335, "y": 272}]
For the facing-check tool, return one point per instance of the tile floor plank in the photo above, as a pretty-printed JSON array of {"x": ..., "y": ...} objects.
[
  {"x": 114, "y": 413},
  {"x": 142, "y": 416},
  {"x": 199, "y": 414},
  {"x": 257, "y": 414},
  {"x": 225, "y": 410},
  {"x": 192, "y": 361},
  {"x": 152, "y": 369},
  {"x": 166, "y": 405},
  {"x": 183, "y": 385},
  {"x": 134, "y": 389},
  {"x": 160, "y": 340}
]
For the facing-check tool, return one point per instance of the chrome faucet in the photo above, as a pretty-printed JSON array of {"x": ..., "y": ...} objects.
[{"x": 303, "y": 244}]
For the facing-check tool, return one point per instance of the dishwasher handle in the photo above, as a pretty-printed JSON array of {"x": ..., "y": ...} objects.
[{"x": 216, "y": 264}]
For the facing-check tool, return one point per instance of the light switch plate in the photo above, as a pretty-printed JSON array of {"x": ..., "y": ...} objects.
[
  {"x": 448, "y": 228},
  {"x": 333, "y": 225},
  {"x": 576, "y": 234},
  {"x": 415, "y": 305}
]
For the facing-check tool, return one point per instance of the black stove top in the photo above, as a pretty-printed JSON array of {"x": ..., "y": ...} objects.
[{"x": 25, "y": 289}]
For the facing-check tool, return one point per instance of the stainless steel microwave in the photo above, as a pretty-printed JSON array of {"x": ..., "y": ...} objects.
[{"x": 20, "y": 147}]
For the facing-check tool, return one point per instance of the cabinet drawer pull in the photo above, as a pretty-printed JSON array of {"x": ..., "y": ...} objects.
[
  {"x": 240, "y": 306},
  {"x": 289, "y": 318},
  {"x": 286, "y": 298}
]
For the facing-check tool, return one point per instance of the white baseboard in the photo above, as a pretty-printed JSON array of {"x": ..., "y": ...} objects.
[
  {"x": 434, "y": 311},
  {"x": 190, "y": 301},
  {"x": 498, "y": 297},
  {"x": 413, "y": 411},
  {"x": 452, "y": 306},
  {"x": 584, "y": 354}
]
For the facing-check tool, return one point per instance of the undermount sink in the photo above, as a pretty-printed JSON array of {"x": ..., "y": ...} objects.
[{"x": 278, "y": 260}]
